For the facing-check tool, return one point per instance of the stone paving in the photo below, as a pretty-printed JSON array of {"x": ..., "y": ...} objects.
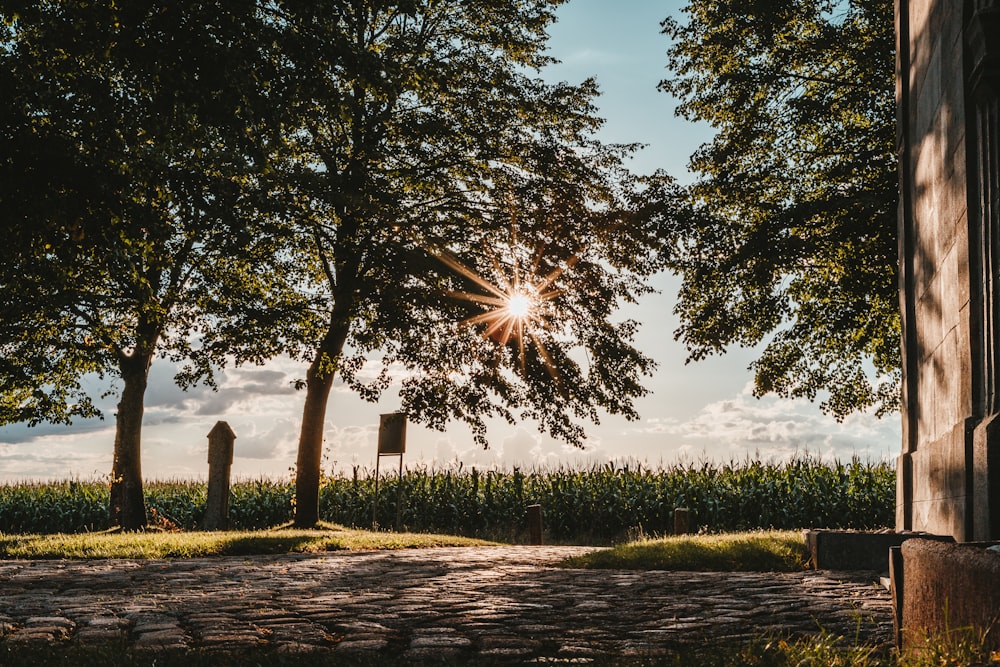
[{"x": 485, "y": 602}]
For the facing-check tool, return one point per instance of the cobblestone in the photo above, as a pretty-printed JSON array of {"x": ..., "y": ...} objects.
[{"x": 495, "y": 602}]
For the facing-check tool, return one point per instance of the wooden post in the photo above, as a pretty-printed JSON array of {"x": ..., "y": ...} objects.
[
  {"x": 682, "y": 521},
  {"x": 535, "y": 524},
  {"x": 220, "y": 461}
]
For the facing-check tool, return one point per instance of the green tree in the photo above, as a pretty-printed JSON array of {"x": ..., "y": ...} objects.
[
  {"x": 132, "y": 180},
  {"x": 439, "y": 174},
  {"x": 791, "y": 240}
]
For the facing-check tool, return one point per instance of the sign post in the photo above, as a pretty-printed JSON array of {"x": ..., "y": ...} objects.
[{"x": 391, "y": 442}]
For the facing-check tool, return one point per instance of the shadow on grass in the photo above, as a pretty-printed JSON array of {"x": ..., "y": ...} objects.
[
  {"x": 198, "y": 544},
  {"x": 271, "y": 544}
]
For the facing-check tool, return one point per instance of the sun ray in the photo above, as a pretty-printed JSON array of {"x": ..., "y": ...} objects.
[
  {"x": 508, "y": 328},
  {"x": 499, "y": 302},
  {"x": 520, "y": 349},
  {"x": 556, "y": 272},
  {"x": 456, "y": 265},
  {"x": 515, "y": 301},
  {"x": 539, "y": 252},
  {"x": 506, "y": 285},
  {"x": 549, "y": 366},
  {"x": 482, "y": 317}
]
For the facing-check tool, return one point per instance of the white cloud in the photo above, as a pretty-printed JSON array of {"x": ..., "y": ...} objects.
[
  {"x": 350, "y": 444},
  {"x": 58, "y": 456},
  {"x": 776, "y": 428},
  {"x": 277, "y": 442}
]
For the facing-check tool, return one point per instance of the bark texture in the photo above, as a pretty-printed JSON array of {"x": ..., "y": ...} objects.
[
  {"x": 319, "y": 382},
  {"x": 128, "y": 507}
]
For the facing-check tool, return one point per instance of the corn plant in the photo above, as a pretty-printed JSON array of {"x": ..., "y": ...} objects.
[{"x": 598, "y": 505}]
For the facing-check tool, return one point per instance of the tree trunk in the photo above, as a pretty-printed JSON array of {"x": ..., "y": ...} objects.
[
  {"x": 319, "y": 382},
  {"x": 128, "y": 506}
]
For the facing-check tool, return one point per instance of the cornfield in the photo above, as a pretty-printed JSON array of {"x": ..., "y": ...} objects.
[{"x": 598, "y": 505}]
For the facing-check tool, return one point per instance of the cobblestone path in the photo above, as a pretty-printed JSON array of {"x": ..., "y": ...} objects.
[{"x": 496, "y": 602}]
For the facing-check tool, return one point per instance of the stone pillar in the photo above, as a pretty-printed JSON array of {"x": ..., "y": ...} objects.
[
  {"x": 948, "y": 89},
  {"x": 220, "y": 461},
  {"x": 939, "y": 221}
]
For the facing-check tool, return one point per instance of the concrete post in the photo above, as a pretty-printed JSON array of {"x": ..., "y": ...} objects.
[{"x": 220, "y": 461}]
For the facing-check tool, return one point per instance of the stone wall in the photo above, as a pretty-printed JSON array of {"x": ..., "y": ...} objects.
[{"x": 949, "y": 258}]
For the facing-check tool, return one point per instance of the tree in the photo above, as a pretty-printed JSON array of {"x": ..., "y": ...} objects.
[
  {"x": 133, "y": 177},
  {"x": 422, "y": 141},
  {"x": 791, "y": 240}
]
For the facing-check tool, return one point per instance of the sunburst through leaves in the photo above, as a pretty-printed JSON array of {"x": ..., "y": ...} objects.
[{"x": 519, "y": 302}]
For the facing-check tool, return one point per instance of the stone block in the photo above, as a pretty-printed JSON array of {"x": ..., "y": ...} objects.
[
  {"x": 925, "y": 414},
  {"x": 940, "y": 498},
  {"x": 965, "y": 355},
  {"x": 856, "y": 550},
  {"x": 928, "y": 90},
  {"x": 949, "y": 586},
  {"x": 930, "y": 330},
  {"x": 949, "y": 288}
]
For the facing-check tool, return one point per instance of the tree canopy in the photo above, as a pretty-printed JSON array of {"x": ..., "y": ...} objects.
[
  {"x": 349, "y": 183},
  {"x": 434, "y": 166},
  {"x": 791, "y": 241},
  {"x": 131, "y": 177}
]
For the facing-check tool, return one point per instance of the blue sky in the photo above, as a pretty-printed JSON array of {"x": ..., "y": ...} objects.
[{"x": 695, "y": 411}]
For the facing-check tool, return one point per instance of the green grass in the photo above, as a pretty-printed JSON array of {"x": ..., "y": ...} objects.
[
  {"x": 766, "y": 551},
  {"x": 180, "y": 544},
  {"x": 820, "y": 651}
]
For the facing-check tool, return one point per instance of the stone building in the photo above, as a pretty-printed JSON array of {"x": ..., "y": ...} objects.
[{"x": 948, "y": 90}]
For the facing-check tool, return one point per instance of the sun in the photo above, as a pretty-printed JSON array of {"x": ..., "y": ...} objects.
[{"x": 519, "y": 304}]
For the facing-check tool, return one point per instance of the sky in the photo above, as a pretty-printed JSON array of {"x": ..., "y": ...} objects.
[{"x": 699, "y": 411}]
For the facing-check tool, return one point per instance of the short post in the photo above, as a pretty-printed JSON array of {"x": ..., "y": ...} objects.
[
  {"x": 220, "y": 461},
  {"x": 896, "y": 588},
  {"x": 535, "y": 524},
  {"x": 682, "y": 521}
]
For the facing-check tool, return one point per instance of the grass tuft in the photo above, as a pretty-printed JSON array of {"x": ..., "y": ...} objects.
[{"x": 765, "y": 551}]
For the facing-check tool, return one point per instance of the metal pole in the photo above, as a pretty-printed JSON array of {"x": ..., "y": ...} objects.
[
  {"x": 375, "y": 501},
  {"x": 399, "y": 496}
]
